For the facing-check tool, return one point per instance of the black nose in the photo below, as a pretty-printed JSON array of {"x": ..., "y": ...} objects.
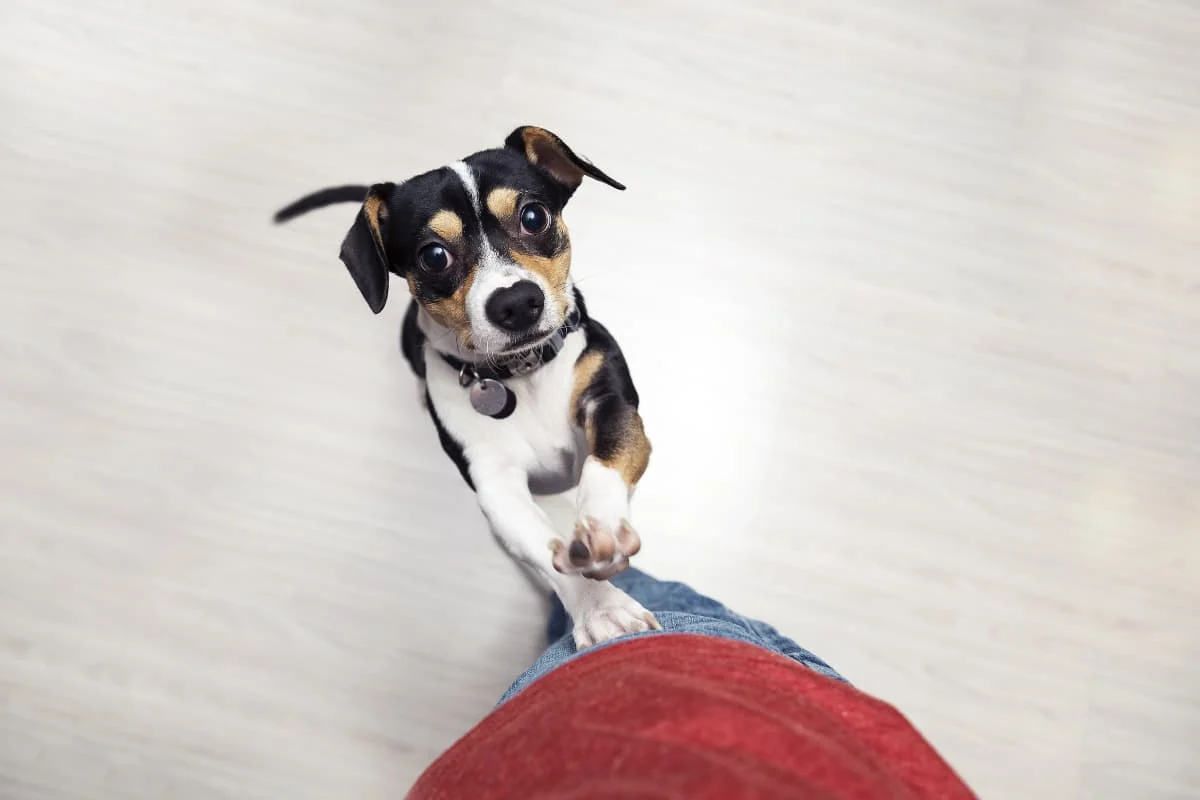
[{"x": 517, "y": 307}]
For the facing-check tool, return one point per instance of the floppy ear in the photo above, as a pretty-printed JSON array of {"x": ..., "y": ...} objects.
[
  {"x": 363, "y": 252},
  {"x": 551, "y": 154}
]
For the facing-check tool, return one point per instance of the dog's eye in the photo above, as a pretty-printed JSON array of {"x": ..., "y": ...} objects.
[
  {"x": 434, "y": 257},
  {"x": 535, "y": 218}
]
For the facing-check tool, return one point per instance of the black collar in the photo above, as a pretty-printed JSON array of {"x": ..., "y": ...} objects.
[{"x": 517, "y": 364}]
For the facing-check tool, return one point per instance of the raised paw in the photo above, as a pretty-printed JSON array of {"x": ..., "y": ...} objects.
[
  {"x": 596, "y": 550},
  {"x": 616, "y": 615}
]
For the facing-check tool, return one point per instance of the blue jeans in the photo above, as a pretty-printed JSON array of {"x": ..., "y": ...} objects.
[{"x": 679, "y": 609}]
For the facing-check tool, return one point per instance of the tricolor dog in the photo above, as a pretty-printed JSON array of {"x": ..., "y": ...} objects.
[{"x": 528, "y": 393}]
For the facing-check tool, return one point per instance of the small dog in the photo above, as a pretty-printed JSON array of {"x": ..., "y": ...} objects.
[{"x": 528, "y": 393}]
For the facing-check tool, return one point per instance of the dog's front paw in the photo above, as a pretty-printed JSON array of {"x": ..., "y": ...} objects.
[
  {"x": 597, "y": 550},
  {"x": 616, "y": 614}
]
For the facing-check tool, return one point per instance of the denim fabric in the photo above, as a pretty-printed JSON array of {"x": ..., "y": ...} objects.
[{"x": 679, "y": 609}]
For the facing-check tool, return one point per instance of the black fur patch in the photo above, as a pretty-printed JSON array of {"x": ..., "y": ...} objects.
[
  {"x": 452, "y": 446},
  {"x": 412, "y": 341}
]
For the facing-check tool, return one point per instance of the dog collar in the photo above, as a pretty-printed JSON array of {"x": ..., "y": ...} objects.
[{"x": 489, "y": 395}]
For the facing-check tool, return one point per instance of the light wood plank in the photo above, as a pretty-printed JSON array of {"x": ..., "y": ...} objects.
[{"x": 933, "y": 268}]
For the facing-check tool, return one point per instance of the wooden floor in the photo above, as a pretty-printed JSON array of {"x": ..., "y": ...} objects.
[{"x": 911, "y": 291}]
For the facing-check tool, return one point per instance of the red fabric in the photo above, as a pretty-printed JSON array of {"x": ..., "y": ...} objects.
[{"x": 690, "y": 717}]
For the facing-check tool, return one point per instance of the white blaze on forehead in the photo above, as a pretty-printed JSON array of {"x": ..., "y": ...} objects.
[
  {"x": 492, "y": 273},
  {"x": 468, "y": 181}
]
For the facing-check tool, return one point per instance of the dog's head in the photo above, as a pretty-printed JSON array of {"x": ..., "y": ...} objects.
[{"x": 481, "y": 242}]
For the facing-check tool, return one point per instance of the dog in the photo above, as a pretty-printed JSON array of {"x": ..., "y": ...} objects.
[{"x": 528, "y": 393}]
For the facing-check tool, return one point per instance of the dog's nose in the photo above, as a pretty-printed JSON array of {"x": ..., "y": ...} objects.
[{"x": 516, "y": 308}]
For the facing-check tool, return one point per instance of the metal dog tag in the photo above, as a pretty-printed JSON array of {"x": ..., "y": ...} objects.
[{"x": 491, "y": 398}]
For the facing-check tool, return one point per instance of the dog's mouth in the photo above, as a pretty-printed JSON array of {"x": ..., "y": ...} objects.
[
  {"x": 514, "y": 345},
  {"x": 525, "y": 342}
]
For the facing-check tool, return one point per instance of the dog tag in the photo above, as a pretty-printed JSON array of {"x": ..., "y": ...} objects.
[{"x": 492, "y": 398}]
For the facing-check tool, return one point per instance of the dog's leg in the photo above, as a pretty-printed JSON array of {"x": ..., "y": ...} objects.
[
  {"x": 619, "y": 451},
  {"x": 600, "y": 610},
  {"x": 606, "y": 539}
]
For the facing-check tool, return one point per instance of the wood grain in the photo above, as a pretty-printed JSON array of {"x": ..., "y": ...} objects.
[{"x": 934, "y": 269}]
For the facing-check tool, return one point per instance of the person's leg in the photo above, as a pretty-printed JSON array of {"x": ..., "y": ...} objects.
[{"x": 679, "y": 609}]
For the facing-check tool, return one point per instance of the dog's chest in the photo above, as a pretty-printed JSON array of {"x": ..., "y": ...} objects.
[{"x": 540, "y": 436}]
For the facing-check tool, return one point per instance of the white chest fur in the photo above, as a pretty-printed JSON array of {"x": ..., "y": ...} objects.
[{"x": 540, "y": 436}]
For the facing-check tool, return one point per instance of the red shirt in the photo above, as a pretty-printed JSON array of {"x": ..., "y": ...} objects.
[{"x": 689, "y": 717}]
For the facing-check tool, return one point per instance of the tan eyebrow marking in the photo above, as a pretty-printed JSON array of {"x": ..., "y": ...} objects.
[
  {"x": 447, "y": 225},
  {"x": 502, "y": 202}
]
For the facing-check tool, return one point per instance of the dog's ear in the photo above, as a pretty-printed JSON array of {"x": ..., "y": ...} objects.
[
  {"x": 363, "y": 251},
  {"x": 551, "y": 154}
]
